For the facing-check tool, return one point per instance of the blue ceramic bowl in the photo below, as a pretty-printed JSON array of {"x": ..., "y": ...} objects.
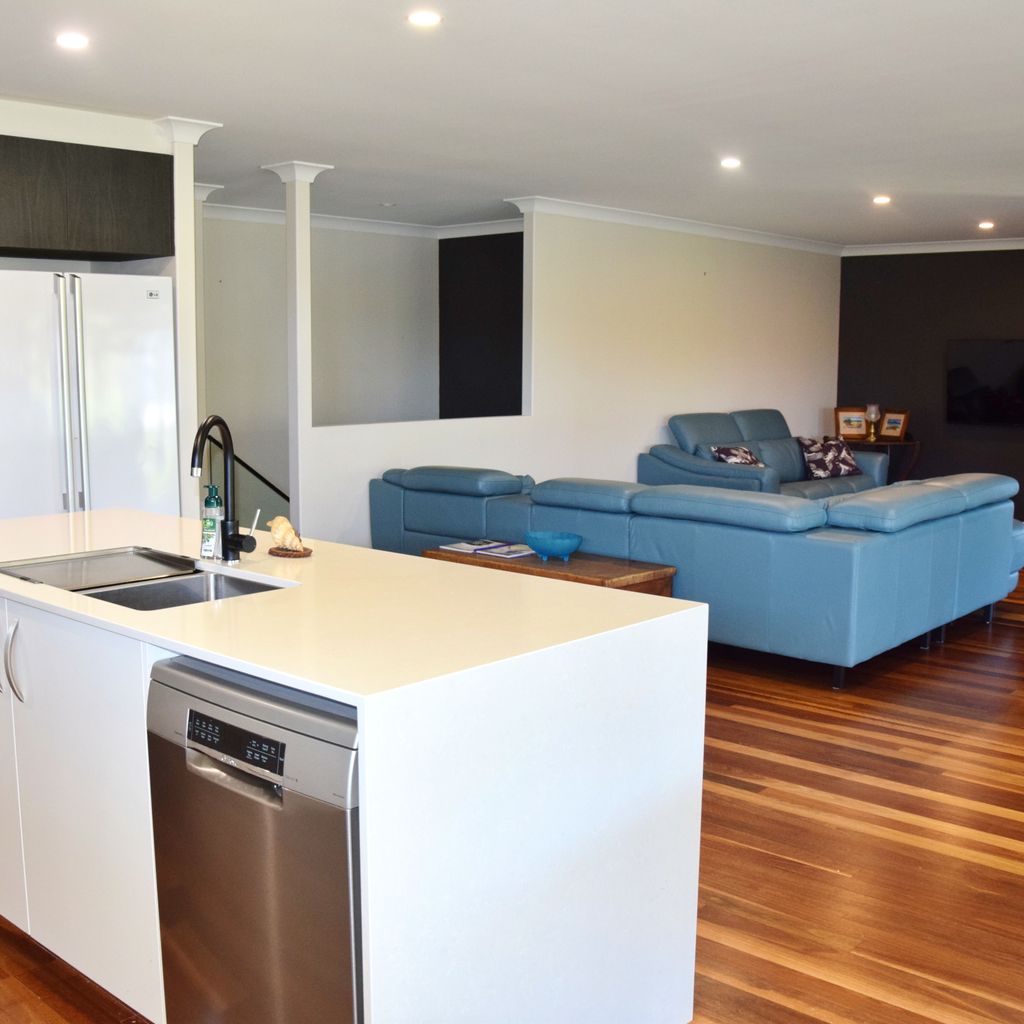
[{"x": 548, "y": 544}]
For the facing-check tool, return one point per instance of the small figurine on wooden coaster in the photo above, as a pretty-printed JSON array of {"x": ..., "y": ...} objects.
[{"x": 287, "y": 543}]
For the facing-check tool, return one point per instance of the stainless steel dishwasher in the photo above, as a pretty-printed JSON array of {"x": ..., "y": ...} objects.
[{"x": 255, "y": 822}]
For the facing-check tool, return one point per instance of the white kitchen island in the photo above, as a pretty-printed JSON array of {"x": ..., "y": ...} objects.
[{"x": 529, "y": 773}]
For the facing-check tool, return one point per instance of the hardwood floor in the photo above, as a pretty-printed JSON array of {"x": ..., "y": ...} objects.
[
  {"x": 863, "y": 851},
  {"x": 37, "y": 988}
]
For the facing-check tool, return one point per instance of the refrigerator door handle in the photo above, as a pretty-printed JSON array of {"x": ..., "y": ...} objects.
[
  {"x": 60, "y": 288},
  {"x": 83, "y": 419}
]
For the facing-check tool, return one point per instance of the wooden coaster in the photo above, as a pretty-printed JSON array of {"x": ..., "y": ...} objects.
[{"x": 288, "y": 553}]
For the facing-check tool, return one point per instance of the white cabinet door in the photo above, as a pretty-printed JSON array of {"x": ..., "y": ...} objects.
[
  {"x": 84, "y": 785},
  {"x": 12, "y": 860}
]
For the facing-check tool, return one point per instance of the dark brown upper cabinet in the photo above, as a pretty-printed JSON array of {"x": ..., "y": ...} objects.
[{"x": 63, "y": 200}]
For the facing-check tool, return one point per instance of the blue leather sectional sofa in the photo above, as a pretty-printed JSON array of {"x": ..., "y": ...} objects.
[
  {"x": 835, "y": 580},
  {"x": 766, "y": 433}
]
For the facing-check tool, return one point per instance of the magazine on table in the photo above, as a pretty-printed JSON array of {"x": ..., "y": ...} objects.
[
  {"x": 509, "y": 551},
  {"x": 468, "y": 547}
]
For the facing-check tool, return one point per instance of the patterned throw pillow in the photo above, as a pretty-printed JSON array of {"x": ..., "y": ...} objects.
[
  {"x": 735, "y": 454},
  {"x": 828, "y": 457}
]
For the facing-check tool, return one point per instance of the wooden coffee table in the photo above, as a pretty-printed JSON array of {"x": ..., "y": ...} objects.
[{"x": 595, "y": 570}]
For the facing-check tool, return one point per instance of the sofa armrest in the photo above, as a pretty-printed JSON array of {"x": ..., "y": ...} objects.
[
  {"x": 692, "y": 469},
  {"x": 386, "y": 515},
  {"x": 774, "y": 513},
  {"x": 874, "y": 465},
  {"x": 892, "y": 509}
]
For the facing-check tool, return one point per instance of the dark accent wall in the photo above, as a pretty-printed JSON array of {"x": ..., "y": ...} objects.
[
  {"x": 480, "y": 325},
  {"x": 896, "y": 315}
]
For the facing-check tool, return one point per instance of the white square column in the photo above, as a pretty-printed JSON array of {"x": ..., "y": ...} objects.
[
  {"x": 185, "y": 134},
  {"x": 297, "y": 177}
]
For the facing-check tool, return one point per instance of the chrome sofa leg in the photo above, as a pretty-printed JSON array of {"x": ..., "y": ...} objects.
[
  {"x": 925, "y": 641},
  {"x": 838, "y": 677},
  {"x": 988, "y": 613}
]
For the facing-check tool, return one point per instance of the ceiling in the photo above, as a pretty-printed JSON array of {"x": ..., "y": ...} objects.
[{"x": 828, "y": 102}]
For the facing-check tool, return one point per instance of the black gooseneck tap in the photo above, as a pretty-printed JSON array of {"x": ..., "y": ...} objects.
[{"x": 230, "y": 539}]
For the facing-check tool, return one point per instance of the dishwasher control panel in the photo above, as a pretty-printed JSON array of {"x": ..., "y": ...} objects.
[{"x": 229, "y": 741}]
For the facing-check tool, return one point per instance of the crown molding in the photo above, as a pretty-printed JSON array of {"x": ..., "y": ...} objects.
[
  {"x": 32, "y": 120},
  {"x": 185, "y": 129},
  {"x": 510, "y": 226},
  {"x": 635, "y": 218},
  {"x": 203, "y": 192},
  {"x": 327, "y": 222},
  {"x": 252, "y": 214},
  {"x": 910, "y": 248},
  {"x": 297, "y": 170}
]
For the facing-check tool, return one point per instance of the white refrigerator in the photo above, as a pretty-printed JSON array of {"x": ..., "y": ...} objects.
[{"x": 87, "y": 393}]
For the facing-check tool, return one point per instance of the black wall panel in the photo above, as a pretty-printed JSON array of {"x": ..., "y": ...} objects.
[
  {"x": 897, "y": 314},
  {"x": 480, "y": 325}
]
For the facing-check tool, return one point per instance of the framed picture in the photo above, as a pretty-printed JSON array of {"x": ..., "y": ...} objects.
[
  {"x": 852, "y": 422},
  {"x": 893, "y": 425}
]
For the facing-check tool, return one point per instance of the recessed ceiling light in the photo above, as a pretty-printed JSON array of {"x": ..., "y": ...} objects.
[
  {"x": 386, "y": 204},
  {"x": 72, "y": 41},
  {"x": 987, "y": 225},
  {"x": 731, "y": 162},
  {"x": 882, "y": 200},
  {"x": 424, "y": 19}
]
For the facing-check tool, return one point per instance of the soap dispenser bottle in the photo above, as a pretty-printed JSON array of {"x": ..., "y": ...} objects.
[{"x": 213, "y": 516}]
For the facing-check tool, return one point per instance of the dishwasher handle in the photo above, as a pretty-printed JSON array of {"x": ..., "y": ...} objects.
[{"x": 269, "y": 794}]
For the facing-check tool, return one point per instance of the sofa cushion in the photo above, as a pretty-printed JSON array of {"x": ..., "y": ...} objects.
[
  {"x": 761, "y": 424},
  {"x": 772, "y": 512},
  {"x": 734, "y": 454},
  {"x": 783, "y": 455},
  {"x": 822, "y": 490},
  {"x": 828, "y": 457},
  {"x": 891, "y": 509},
  {"x": 579, "y": 492},
  {"x": 693, "y": 428},
  {"x": 459, "y": 480}
]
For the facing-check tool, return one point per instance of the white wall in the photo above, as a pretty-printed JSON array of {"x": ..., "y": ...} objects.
[
  {"x": 375, "y": 356},
  {"x": 374, "y": 331},
  {"x": 629, "y": 325},
  {"x": 246, "y": 339}
]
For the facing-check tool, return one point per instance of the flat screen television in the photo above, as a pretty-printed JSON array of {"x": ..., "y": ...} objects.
[{"x": 985, "y": 381}]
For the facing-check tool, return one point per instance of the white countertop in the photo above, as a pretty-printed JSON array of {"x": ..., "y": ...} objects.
[{"x": 359, "y": 623}]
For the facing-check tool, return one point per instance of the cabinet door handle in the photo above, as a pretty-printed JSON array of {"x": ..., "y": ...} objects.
[{"x": 8, "y": 666}]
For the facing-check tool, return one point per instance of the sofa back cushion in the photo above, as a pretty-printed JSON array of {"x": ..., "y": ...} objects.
[
  {"x": 784, "y": 456},
  {"x": 693, "y": 428},
  {"x": 447, "y": 515},
  {"x": 761, "y": 424}
]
